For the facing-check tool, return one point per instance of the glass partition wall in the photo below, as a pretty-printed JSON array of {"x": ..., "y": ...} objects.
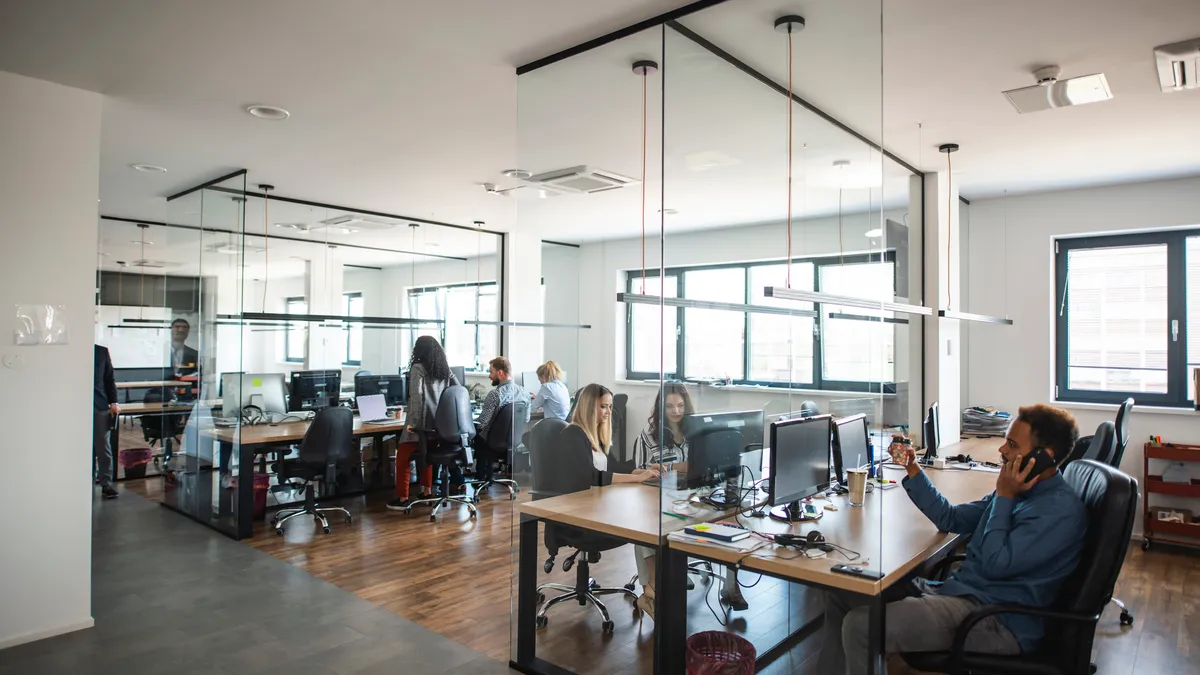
[
  {"x": 244, "y": 308},
  {"x": 765, "y": 256}
]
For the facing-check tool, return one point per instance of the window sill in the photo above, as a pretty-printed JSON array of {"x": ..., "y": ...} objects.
[
  {"x": 1112, "y": 407},
  {"x": 828, "y": 393}
]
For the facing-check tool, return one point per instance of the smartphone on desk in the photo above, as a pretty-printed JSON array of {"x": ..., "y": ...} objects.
[{"x": 857, "y": 571}]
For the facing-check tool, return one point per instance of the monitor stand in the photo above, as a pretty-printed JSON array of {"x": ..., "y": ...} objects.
[{"x": 792, "y": 513}]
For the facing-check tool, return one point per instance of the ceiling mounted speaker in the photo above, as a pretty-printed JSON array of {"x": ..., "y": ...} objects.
[{"x": 1178, "y": 65}]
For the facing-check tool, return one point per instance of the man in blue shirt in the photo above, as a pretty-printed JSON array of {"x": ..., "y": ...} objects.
[
  {"x": 1026, "y": 538},
  {"x": 504, "y": 391}
]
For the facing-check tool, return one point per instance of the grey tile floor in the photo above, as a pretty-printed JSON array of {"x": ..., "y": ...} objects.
[{"x": 171, "y": 597}]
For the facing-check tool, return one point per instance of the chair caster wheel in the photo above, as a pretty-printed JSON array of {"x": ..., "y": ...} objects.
[
  {"x": 541, "y": 598},
  {"x": 608, "y": 627},
  {"x": 408, "y": 512},
  {"x": 433, "y": 519},
  {"x": 629, "y": 587},
  {"x": 593, "y": 585},
  {"x": 541, "y": 622},
  {"x": 691, "y": 585},
  {"x": 279, "y": 531},
  {"x": 326, "y": 530},
  {"x": 1126, "y": 619},
  {"x": 1145, "y": 544},
  {"x": 349, "y": 520},
  {"x": 474, "y": 514},
  {"x": 548, "y": 566}
]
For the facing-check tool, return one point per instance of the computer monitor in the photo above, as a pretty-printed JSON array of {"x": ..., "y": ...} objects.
[
  {"x": 266, "y": 391},
  {"x": 850, "y": 441},
  {"x": 460, "y": 374},
  {"x": 716, "y": 442},
  {"x": 393, "y": 387},
  {"x": 933, "y": 433},
  {"x": 529, "y": 381},
  {"x": 314, "y": 389},
  {"x": 800, "y": 452}
]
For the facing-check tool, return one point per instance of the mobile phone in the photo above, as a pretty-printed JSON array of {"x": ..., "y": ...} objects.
[
  {"x": 856, "y": 571},
  {"x": 1041, "y": 461}
]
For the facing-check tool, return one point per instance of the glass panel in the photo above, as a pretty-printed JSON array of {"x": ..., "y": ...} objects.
[
  {"x": 652, "y": 329},
  {"x": 710, "y": 333},
  {"x": 781, "y": 347},
  {"x": 857, "y": 344},
  {"x": 1117, "y": 307}
]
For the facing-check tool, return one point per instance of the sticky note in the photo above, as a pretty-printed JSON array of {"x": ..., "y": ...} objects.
[
  {"x": 702, "y": 528},
  {"x": 256, "y": 381}
]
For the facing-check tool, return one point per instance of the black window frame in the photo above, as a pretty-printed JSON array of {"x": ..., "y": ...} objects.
[
  {"x": 346, "y": 297},
  {"x": 287, "y": 331},
  {"x": 1177, "y": 395},
  {"x": 819, "y": 382}
]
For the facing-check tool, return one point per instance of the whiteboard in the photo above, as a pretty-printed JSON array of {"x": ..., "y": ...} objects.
[{"x": 135, "y": 347}]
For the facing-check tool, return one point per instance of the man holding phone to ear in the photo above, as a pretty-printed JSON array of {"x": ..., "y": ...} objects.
[{"x": 1027, "y": 537}]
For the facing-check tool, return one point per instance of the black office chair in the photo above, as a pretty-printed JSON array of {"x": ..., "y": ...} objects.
[
  {"x": 562, "y": 467},
  {"x": 503, "y": 438},
  {"x": 809, "y": 409},
  {"x": 449, "y": 446},
  {"x": 1110, "y": 498},
  {"x": 1098, "y": 447},
  {"x": 163, "y": 429},
  {"x": 1122, "y": 440},
  {"x": 328, "y": 440}
]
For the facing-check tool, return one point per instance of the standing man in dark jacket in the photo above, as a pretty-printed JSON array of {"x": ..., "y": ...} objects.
[{"x": 105, "y": 409}]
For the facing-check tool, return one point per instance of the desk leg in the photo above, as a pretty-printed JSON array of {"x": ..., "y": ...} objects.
[
  {"x": 527, "y": 569},
  {"x": 245, "y": 491},
  {"x": 878, "y": 629},
  {"x": 670, "y": 610}
]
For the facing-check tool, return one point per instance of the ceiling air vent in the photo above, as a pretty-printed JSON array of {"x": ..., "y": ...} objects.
[
  {"x": 349, "y": 223},
  {"x": 583, "y": 179},
  {"x": 1178, "y": 65}
]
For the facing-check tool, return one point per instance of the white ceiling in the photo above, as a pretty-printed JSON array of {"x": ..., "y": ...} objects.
[{"x": 406, "y": 107}]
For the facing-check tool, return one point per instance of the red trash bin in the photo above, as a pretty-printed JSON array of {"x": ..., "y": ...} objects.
[
  {"x": 714, "y": 652},
  {"x": 262, "y": 482},
  {"x": 134, "y": 461}
]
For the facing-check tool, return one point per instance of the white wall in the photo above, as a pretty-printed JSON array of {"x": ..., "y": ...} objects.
[
  {"x": 49, "y": 182},
  {"x": 1013, "y": 366},
  {"x": 561, "y": 281}
]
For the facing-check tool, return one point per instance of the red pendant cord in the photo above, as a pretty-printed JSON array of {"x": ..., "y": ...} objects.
[
  {"x": 266, "y": 245},
  {"x": 949, "y": 227}
]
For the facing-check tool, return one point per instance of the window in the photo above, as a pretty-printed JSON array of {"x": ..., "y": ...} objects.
[
  {"x": 463, "y": 342},
  {"x": 856, "y": 354},
  {"x": 1124, "y": 306},
  {"x": 297, "y": 332},
  {"x": 352, "y": 305}
]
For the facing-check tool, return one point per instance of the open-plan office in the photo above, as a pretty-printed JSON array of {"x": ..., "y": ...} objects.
[{"x": 682, "y": 396}]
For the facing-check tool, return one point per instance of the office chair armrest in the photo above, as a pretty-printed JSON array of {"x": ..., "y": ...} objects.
[
  {"x": 984, "y": 611},
  {"x": 942, "y": 568}
]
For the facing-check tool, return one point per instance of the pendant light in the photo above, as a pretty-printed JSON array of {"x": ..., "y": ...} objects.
[
  {"x": 266, "y": 190},
  {"x": 789, "y": 25},
  {"x": 644, "y": 69}
]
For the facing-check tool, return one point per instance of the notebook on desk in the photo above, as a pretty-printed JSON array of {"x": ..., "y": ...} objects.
[{"x": 373, "y": 409}]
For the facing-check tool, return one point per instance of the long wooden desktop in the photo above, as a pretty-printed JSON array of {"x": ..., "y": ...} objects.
[{"x": 888, "y": 531}]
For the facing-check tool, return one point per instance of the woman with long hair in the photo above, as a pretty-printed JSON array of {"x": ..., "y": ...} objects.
[
  {"x": 428, "y": 376},
  {"x": 552, "y": 396}
]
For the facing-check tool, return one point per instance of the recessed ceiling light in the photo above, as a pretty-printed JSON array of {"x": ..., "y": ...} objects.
[
  {"x": 520, "y": 174},
  {"x": 268, "y": 112},
  {"x": 291, "y": 226},
  {"x": 139, "y": 241},
  {"x": 874, "y": 233},
  {"x": 148, "y": 168}
]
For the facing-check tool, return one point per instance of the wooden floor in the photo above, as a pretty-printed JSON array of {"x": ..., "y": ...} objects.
[{"x": 456, "y": 577}]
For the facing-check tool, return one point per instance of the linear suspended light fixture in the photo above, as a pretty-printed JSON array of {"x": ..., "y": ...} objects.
[
  {"x": 316, "y": 318},
  {"x": 967, "y": 316},
  {"x": 864, "y": 317},
  {"x": 526, "y": 324},
  {"x": 688, "y": 303},
  {"x": 846, "y": 300}
]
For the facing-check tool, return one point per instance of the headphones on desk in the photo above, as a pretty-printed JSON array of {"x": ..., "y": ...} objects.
[{"x": 814, "y": 539}]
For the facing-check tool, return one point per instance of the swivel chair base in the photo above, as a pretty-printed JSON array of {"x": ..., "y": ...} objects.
[
  {"x": 482, "y": 486},
  {"x": 310, "y": 508},
  {"x": 444, "y": 500},
  {"x": 584, "y": 592},
  {"x": 1126, "y": 615}
]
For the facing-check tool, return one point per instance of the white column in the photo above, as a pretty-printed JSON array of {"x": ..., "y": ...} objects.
[
  {"x": 908, "y": 337},
  {"x": 523, "y": 299},
  {"x": 943, "y": 359},
  {"x": 323, "y": 279},
  {"x": 50, "y": 158}
]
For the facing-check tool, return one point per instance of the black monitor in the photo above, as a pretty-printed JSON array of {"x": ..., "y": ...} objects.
[
  {"x": 800, "y": 452},
  {"x": 716, "y": 442},
  {"x": 393, "y": 387},
  {"x": 314, "y": 389},
  {"x": 850, "y": 442},
  {"x": 460, "y": 374},
  {"x": 933, "y": 433}
]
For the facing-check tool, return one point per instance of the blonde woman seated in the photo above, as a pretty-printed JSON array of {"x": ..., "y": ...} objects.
[
  {"x": 551, "y": 398},
  {"x": 666, "y": 449},
  {"x": 592, "y": 423}
]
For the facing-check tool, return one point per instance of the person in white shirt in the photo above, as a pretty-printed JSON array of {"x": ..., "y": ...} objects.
[{"x": 552, "y": 398}]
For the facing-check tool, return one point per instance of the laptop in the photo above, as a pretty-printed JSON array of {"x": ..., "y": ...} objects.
[{"x": 373, "y": 409}]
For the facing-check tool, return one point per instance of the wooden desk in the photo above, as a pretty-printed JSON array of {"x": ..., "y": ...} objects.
[
  {"x": 152, "y": 384},
  {"x": 234, "y": 513},
  {"x": 629, "y": 511},
  {"x": 890, "y": 534}
]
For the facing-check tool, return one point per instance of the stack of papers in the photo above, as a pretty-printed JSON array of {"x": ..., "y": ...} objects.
[
  {"x": 980, "y": 421},
  {"x": 744, "y": 545}
]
